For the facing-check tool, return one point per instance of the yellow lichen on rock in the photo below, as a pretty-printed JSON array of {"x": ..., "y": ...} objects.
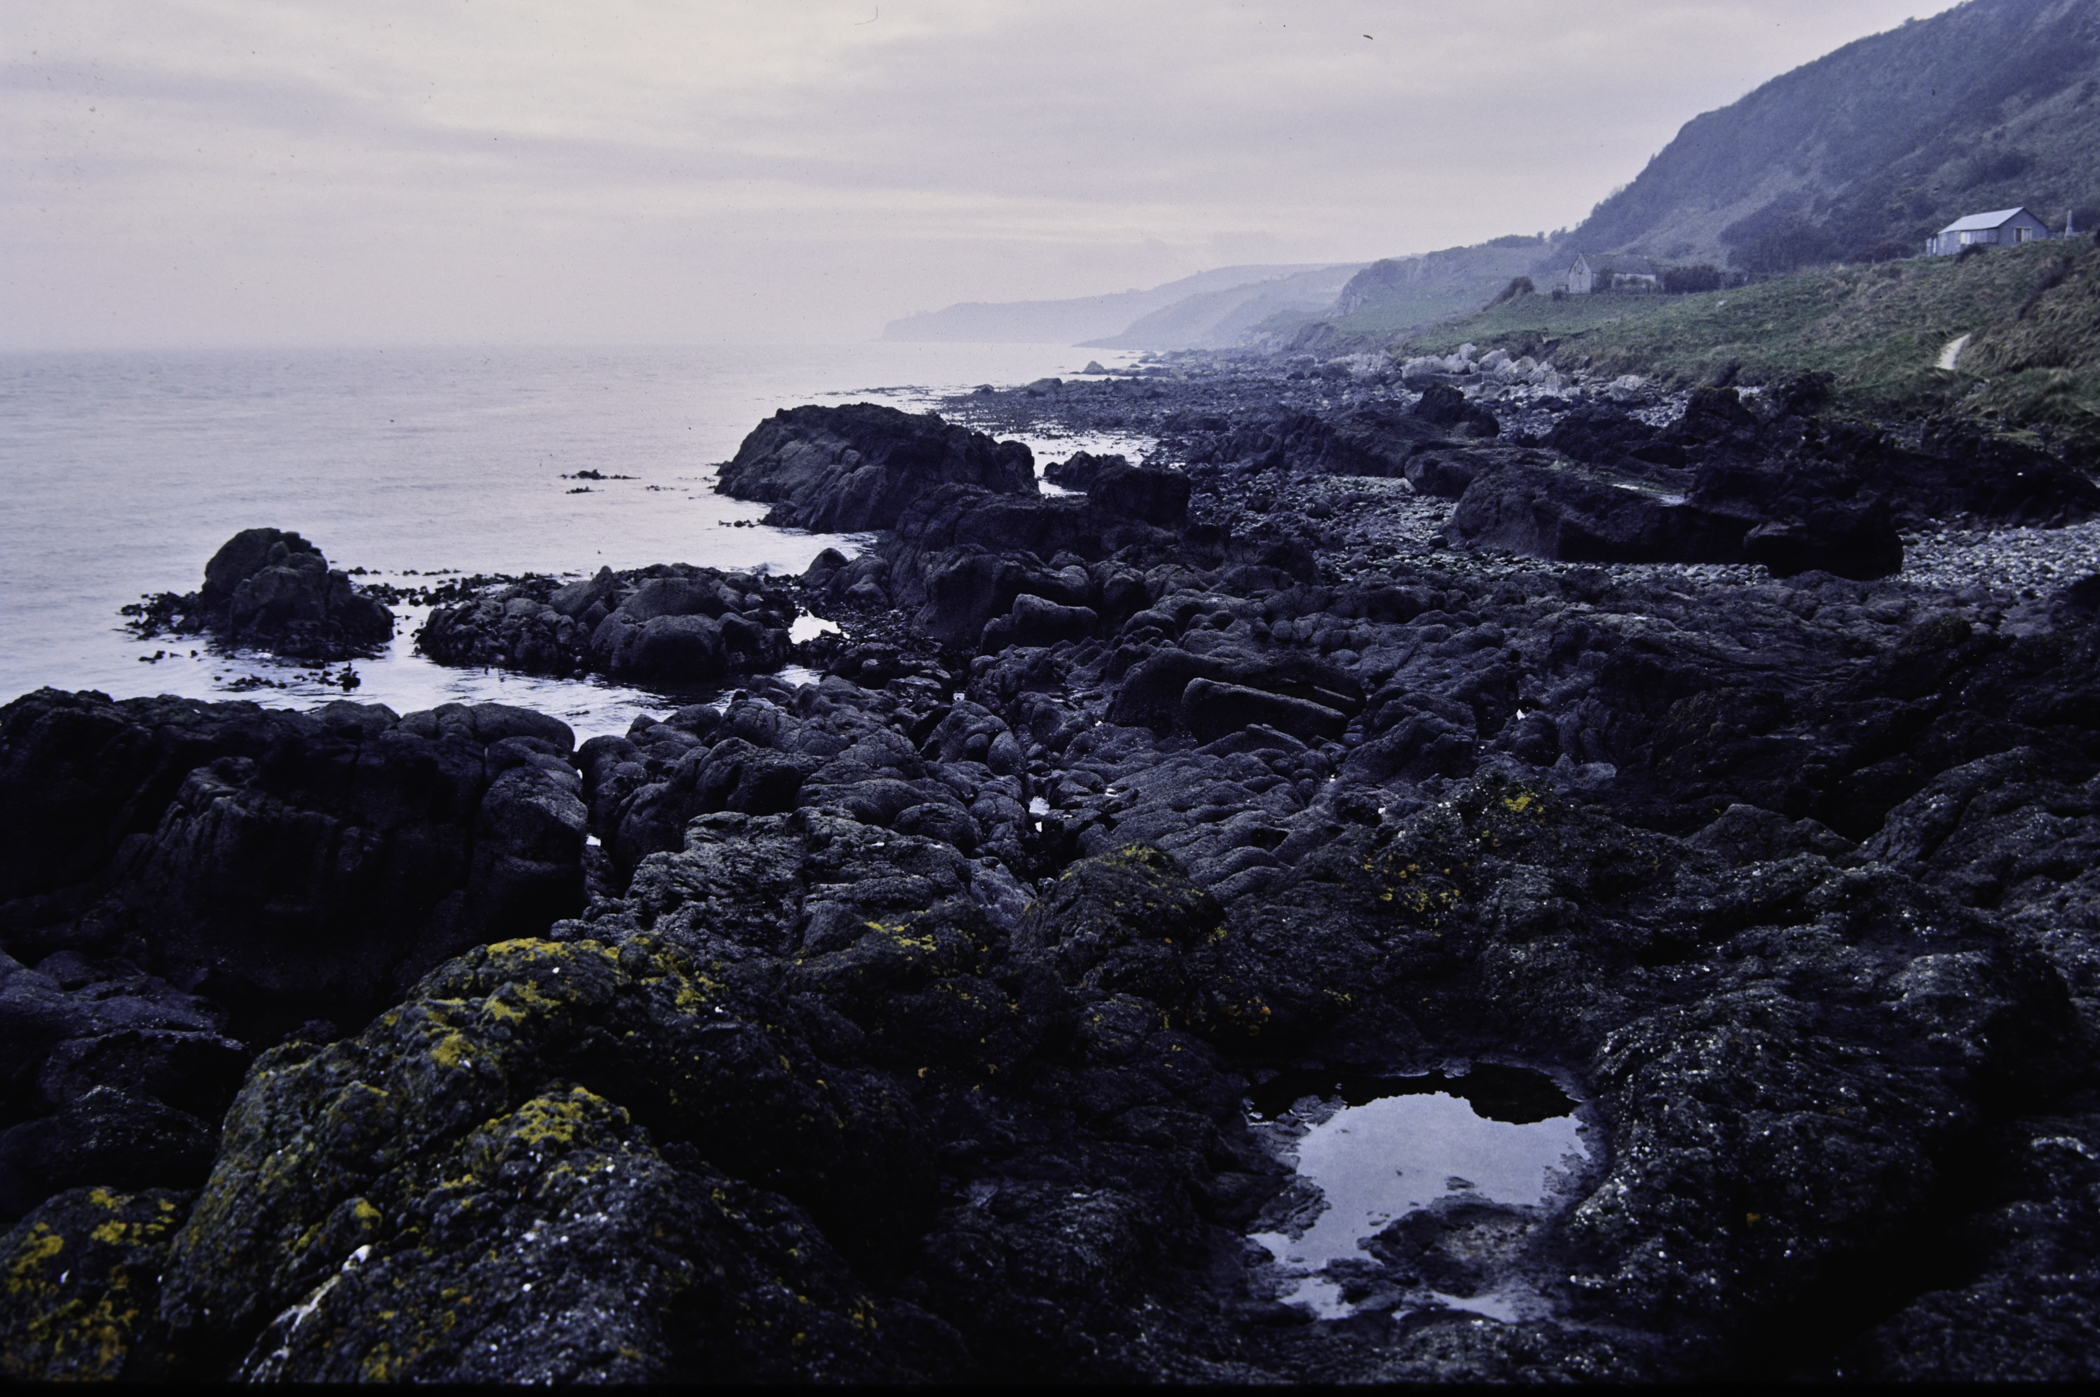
[{"x": 81, "y": 1274}]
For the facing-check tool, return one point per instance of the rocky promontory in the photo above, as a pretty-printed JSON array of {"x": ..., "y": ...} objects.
[
  {"x": 671, "y": 624},
  {"x": 273, "y": 589},
  {"x": 962, "y": 1014}
]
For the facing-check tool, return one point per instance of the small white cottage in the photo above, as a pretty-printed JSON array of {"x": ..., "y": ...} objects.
[
  {"x": 2002, "y": 228},
  {"x": 1592, "y": 273}
]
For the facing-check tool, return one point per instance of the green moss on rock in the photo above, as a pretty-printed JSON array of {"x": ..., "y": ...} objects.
[{"x": 468, "y": 1191}]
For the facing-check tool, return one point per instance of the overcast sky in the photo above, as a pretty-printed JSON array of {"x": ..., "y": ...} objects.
[{"x": 496, "y": 171}]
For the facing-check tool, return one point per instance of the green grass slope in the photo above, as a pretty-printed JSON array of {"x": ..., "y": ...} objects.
[
  {"x": 2033, "y": 314},
  {"x": 2041, "y": 367}
]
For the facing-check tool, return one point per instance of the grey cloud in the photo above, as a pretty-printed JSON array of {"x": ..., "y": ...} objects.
[{"x": 984, "y": 152}]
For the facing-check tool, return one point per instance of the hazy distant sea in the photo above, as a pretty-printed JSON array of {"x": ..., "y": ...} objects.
[{"x": 121, "y": 473}]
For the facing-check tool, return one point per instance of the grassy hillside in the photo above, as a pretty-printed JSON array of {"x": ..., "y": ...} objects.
[
  {"x": 2042, "y": 366},
  {"x": 2033, "y": 314}
]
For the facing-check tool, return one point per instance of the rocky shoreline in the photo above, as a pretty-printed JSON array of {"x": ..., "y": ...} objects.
[{"x": 1716, "y": 768}]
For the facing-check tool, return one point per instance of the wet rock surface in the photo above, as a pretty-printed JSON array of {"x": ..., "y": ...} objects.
[
  {"x": 845, "y": 469},
  {"x": 921, "y": 1022},
  {"x": 669, "y": 625},
  {"x": 270, "y": 588},
  {"x": 283, "y": 866}
]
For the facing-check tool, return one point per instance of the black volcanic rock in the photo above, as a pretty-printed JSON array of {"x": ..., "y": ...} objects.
[
  {"x": 270, "y": 588},
  {"x": 288, "y": 865},
  {"x": 1211, "y": 710},
  {"x": 1370, "y": 441},
  {"x": 672, "y": 624},
  {"x": 1445, "y": 406},
  {"x": 1565, "y": 515},
  {"x": 910, "y": 1023},
  {"x": 1158, "y": 497},
  {"x": 1079, "y": 470},
  {"x": 83, "y": 1297},
  {"x": 564, "y": 1105},
  {"x": 108, "y": 1137},
  {"x": 1035, "y": 621},
  {"x": 1153, "y": 495},
  {"x": 845, "y": 469},
  {"x": 1853, "y": 539},
  {"x": 1604, "y": 435},
  {"x": 963, "y": 555}
]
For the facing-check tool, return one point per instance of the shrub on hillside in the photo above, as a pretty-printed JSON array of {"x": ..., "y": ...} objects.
[
  {"x": 1680, "y": 281},
  {"x": 1518, "y": 286},
  {"x": 1778, "y": 245},
  {"x": 1887, "y": 251}
]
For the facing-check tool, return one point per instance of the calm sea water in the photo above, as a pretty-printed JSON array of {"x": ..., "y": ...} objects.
[{"x": 120, "y": 474}]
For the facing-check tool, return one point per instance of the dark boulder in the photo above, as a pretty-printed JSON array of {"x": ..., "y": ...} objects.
[
  {"x": 964, "y": 555},
  {"x": 1035, "y": 621},
  {"x": 1211, "y": 710},
  {"x": 1854, "y": 539},
  {"x": 1151, "y": 494},
  {"x": 961, "y": 515},
  {"x": 82, "y": 1300},
  {"x": 1445, "y": 469},
  {"x": 108, "y": 1077},
  {"x": 1571, "y": 517},
  {"x": 1425, "y": 745},
  {"x": 1601, "y": 434},
  {"x": 1712, "y": 416},
  {"x": 1443, "y": 474},
  {"x": 579, "y": 597},
  {"x": 266, "y": 587},
  {"x": 731, "y": 774},
  {"x": 107, "y": 1137},
  {"x": 1445, "y": 406},
  {"x": 1123, "y": 923},
  {"x": 845, "y": 469},
  {"x": 289, "y": 865},
  {"x": 1151, "y": 691},
  {"x": 548, "y": 1125},
  {"x": 671, "y": 624},
  {"x": 1369, "y": 441},
  {"x": 1081, "y": 469}
]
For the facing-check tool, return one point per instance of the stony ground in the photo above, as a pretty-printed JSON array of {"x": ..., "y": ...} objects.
[{"x": 903, "y": 1025}]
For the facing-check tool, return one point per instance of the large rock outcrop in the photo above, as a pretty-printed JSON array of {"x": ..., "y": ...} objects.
[
  {"x": 286, "y": 865},
  {"x": 269, "y": 588},
  {"x": 672, "y": 624},
  {"x": 846, "y": 469}
]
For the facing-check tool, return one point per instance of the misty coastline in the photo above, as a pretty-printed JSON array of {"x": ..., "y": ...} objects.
[
  {"x": 965, "y": 931},
  {"x": 1526, "y": 812}
]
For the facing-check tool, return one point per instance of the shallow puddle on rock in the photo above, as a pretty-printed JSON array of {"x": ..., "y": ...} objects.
[
  {"x": 808, "y": 627},
  {"x": 1366, "y": 1161}
]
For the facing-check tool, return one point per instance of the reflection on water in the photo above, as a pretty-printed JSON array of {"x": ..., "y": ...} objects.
[{"x": 1416, "y": 1198}]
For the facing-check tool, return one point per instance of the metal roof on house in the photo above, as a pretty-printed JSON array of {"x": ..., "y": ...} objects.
[{"x": 1978, "y": 222}]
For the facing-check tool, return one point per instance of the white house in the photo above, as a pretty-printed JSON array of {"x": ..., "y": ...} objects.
[
  {"x": 2003, "y": 228},
  {"x": 1594, "y": 273}
]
